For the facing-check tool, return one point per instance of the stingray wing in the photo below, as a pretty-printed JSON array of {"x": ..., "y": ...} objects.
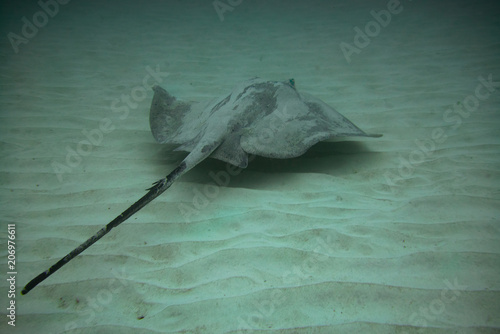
[
  {"x": 173, "y": 121},
  {"x": 298, "y": 122}
]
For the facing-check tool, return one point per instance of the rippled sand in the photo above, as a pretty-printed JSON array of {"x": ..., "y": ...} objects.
[{"x": 396, "y": 234}]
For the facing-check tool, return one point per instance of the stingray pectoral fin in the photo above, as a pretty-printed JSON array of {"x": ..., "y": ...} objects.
[
  {"x": 283, "y": 142},
  {"x": 230, "y": 151},
  {"x": 173, "y": 121},
  {"x": 340, "y": 125},
  {"x": 294, "y": 127}
]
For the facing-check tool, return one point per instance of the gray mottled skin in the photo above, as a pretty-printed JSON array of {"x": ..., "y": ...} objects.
[{"x": 266, "y": 118}]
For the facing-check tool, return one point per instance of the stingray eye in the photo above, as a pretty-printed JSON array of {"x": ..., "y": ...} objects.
[{"x": 292, "y": 82}]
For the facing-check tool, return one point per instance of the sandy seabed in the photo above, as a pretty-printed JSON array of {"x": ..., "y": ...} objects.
[{"x": 398, "y": 234}]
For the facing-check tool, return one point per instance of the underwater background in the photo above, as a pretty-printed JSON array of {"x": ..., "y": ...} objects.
[{"x": 398, "y": 234}]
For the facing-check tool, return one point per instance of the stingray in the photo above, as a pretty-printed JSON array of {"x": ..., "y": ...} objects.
[{"x": 266, "y": 118}]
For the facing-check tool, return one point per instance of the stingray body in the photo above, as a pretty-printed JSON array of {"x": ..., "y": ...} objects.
[{"x": 266, "y": 118}]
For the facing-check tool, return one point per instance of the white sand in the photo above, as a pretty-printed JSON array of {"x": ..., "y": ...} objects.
[{"x": 319, "y": 244}]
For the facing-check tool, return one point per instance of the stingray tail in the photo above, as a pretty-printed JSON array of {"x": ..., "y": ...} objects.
[
  {"x": 156, "y": 190},
  {"x": 375, "y": 135}
]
